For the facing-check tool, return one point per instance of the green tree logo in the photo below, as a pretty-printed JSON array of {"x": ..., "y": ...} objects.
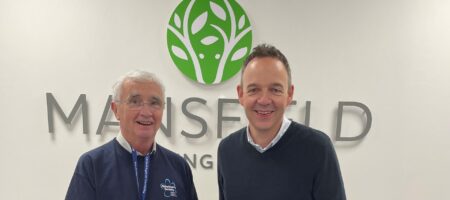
[{"x": 208, "y": 39}]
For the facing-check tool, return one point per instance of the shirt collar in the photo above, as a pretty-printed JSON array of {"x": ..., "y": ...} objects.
[
  {"x": 123, "y": 142},
  {"x": 284, "y": 126}
]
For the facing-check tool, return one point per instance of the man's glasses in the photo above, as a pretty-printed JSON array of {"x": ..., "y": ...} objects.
[{"x": 134, "y": 103}]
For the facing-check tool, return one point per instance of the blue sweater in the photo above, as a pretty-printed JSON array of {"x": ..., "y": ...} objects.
[
  {"x": 302, "y": 165},
  {"x": 107, "y": 173}
]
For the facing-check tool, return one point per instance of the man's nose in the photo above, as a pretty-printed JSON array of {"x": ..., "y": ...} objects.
[
  {"x": 264, "y": 99},
  {"x": 146, "y": 109}
]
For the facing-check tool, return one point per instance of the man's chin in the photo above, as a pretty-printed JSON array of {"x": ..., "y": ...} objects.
[
  {"x": 262, "y": 126},
  {"x": 145, "y": 134}
]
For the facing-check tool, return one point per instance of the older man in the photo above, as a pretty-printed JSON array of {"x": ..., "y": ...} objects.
[{"x": 133, "y": 165}]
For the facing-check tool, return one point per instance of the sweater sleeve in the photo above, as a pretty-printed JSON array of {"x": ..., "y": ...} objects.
[
  {"x": 219, "y": 172},
  {"x": 82, "y": 186},
  {"x": 190, "y": 185},
  {"x": 328, "y": 183},
  {"x": 220, "y": 182}
]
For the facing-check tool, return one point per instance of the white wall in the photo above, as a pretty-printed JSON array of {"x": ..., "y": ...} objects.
[{"x": 392, "y": 56}]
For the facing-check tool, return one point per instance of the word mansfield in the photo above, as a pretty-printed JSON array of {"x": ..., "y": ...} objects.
[{"x": 81, "y": 104}]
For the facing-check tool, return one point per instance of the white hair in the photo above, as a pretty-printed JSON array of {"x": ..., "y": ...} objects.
[{"x": 135, "y": 75}]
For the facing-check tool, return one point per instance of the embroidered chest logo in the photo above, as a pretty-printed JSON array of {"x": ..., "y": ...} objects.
[{"x": 169, "y": 188}]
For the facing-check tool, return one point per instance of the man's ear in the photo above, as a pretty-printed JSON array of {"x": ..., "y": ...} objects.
[
  {"x": 240, "y": 93},
  {"x": 290, "y": 94},
  {"x": 115, "y": 110}
]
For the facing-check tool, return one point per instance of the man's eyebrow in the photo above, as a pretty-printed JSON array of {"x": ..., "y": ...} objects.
[
  {"x": 157, "y": 98},
  {"x": 251, "y": 85},
  {"x": 277, "y": 85},
  {"x": 271, "y": 85},
  {"x": 132, "y": 96}
]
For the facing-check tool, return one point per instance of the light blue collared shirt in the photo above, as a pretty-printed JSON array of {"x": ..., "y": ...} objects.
[
  {"x": 284, "y": 126},
  {"x": 123, "y": 142}
]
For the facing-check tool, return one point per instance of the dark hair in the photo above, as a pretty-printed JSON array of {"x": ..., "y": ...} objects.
[{"x": 267, "y": 50}]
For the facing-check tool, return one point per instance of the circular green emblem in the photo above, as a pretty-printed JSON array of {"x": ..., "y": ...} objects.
[{"x": 208, "y": 40}]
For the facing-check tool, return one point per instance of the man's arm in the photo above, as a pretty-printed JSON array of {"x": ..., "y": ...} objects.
[
  {"x": 190, "y": 184},
  {"x": 82, "y": 186},
  {"x": 219, "y": 173},
  {"x": 328, "y": 184}
]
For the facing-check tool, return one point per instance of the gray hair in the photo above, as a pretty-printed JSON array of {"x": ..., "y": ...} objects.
[{"x": 135, "y": 75}]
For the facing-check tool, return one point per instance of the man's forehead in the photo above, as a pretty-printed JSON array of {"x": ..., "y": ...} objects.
[
  {"x": 146, "y": 89},
  {"x": 136, "y": 83},
  {"x": 142, "y": 94},
  {"x": 256, "y": 84}
]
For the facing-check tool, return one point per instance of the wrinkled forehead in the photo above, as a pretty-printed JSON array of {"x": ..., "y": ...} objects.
[{"x": 141, "y": 89}]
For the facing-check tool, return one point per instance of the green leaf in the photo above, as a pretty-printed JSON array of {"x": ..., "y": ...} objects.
[
  {"x": 199, "y": 22},
  {"x": 239, "y": 54},
  {"x": 177, "y": 20},
  {"x": 241, "y": 22},
  {"x": 209, "y": 40},
  {"x": 218, "y": 11},
  {"x": 179, "y": 52}
]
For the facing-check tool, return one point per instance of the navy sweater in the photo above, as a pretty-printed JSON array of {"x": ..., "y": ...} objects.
[
  {"x": 302, "y": 165},
  {"x": 107, "y": 173}
]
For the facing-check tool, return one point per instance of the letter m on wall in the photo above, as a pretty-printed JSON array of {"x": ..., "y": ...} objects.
[{"x": 53, "y": 105}]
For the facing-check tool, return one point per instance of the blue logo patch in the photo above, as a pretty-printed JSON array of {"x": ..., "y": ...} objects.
[{"x": 169, "y": 188}]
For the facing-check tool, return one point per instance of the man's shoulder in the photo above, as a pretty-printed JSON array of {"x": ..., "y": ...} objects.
[
  {"x": 101, "y": 151},
  {"x": 233, "y": 138},
  {"x": 166, "y": 151},
  {"x": 169, "y": 154},
  {"x": 99, "y": 156},
  {"x": 308, "y": 134}
]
